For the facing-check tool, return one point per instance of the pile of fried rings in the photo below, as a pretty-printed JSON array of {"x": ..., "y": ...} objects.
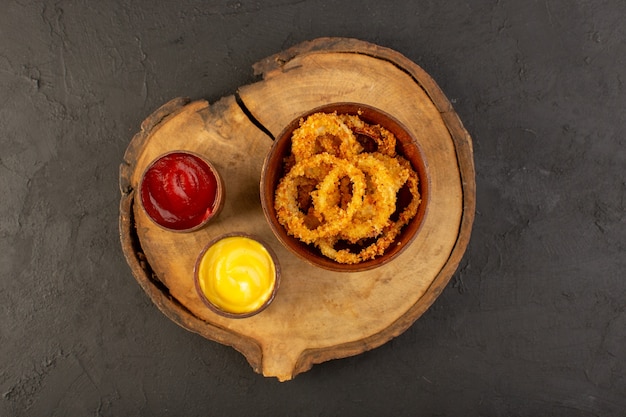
[{"x": 340, "y": 187}]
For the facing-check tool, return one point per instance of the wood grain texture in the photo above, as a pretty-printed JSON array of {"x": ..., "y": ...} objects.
[{"x": 317, "y": 315}]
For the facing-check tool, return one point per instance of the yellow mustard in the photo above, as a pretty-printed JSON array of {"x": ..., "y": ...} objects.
[{"x": 237, "y": 274}]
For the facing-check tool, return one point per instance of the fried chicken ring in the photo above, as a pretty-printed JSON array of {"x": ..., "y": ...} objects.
[
  {"x": 384, "y": 177},
  {"x": 332, "y": 219},
  {"x": 325, "y": 198},
  {"x": 386, "y": 237},
  {"x": 385, "y": 140},
  {"x": 323, "y": 132}
]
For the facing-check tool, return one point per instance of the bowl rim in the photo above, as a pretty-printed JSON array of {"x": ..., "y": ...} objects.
[
  {"x": 214, "y": 308},
  {"x": 401, "y": 242},
  {"x": 218, "y": 202}
]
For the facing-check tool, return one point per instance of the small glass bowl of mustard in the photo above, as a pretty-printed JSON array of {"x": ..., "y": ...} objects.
[{"x": 237, "y": 275}]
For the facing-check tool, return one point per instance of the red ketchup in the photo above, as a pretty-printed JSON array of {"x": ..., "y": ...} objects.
[{"x": 178, "y": 191}]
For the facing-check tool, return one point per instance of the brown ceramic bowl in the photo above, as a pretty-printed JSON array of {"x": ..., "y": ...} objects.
[
  {"x": 223, "y": 294},
  {"x": 407, "y": 147},
  {"x": 181, "y": 191}
]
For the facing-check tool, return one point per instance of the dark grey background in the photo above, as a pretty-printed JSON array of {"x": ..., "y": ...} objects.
[{"x": 533, "y": 323}]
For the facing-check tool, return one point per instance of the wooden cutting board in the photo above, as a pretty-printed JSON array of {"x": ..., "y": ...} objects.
[{"x": 317, "y": 315}]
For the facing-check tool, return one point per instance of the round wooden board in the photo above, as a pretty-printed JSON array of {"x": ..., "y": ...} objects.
[{"x": 317, "y": 315}]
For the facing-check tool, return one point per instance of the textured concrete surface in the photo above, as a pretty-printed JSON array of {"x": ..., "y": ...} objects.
[{"x": 533, "y": 323}]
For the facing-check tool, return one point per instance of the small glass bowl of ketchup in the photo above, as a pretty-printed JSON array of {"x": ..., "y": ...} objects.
[{"x": 181, "y": 191}]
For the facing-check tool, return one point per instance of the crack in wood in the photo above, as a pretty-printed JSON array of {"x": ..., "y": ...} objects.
[{"x": 255, "y": 121}]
